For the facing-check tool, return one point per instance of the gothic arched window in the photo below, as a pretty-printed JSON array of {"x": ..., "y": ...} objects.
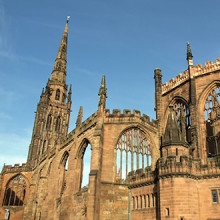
[
  {"x": 49, "y": 121},
  {"x": 212, "y": 119},
  {"x": 133, "y": 152},
  {"x": 44, "y": 147},
  {"x": 58, "y": 122},
  {"x": 57, "y": 97},
  {"x": 183, "y": 117},
  {"x": 15, "y": 192}
]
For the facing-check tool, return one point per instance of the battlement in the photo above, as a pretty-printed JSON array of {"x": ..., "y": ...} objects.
[
  {"x": 195, "y": 71},
  {"x": 189, "y": 167},
  {"x": 141, "y": 177},
  {"x": 16, "y": 168},
  {"x": 116, "y": 115},
  {"x": 185, "y": 167}
]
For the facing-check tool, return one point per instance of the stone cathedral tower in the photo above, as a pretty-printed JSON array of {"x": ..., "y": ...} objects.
[{"x": 53, "y": 110}]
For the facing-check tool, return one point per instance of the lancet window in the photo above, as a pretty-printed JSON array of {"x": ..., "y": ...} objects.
[
  {"x": 49, "y": 121},
  {"x": 15, "y": 192},
  {"x": 58, "y": 122},
  {"x": 212, "y": 118},
  {"x": 133, "y": 152},
  {"x": 57, "y": 97}
]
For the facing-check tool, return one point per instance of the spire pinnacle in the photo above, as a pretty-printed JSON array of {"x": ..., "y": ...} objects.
[
  {"x": 102, "y": 92},
  {"x": 79, "y": 118},
  {"x": 172, "y": 132},
  {"x": 59, "y": 70},
  {"x": 189, "y": 55}
]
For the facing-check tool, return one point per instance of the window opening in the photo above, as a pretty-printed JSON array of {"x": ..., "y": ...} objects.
[
  {"x": 49, "y": 120},
  {"x": 86, "y": 166},
  {"x": 15, "y": 192},
  {"x": 167, "y": 212},
  {"x": 214, "y": 196},
  {"x": 212, "y": 117},
  {"x": 133, "y": 152},
  {"x": 57, "y": 97},
  {"x": 58, "y": 122}
]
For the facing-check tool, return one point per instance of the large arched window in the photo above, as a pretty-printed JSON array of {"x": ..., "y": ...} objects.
[
  {"x": 15, "y": 192},
  {"x": 212, "y": 119},
  {"x": 183, "y": 117},
  {"x": 133, "y": 152}
]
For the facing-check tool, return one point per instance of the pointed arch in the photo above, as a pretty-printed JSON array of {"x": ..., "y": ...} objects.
[
  {"x": 15, "y": 191},
  {"x": 84, "y": 159},
  {"x": 209, "y": 116},
  {"x": 63, "y": 170},
  {"x": 133, "y": 151}
]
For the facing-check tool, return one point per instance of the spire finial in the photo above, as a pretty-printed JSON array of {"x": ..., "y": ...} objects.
[
  {"x": 189, "y": 55},
  {"x": 67, "y": 19},
  {"x": 102, "y": 92}
]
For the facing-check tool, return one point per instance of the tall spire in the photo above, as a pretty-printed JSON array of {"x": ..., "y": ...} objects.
[
  {"x": 189, "y": 55},
  {"x": 59, "y": 70},
  {"x": 102, "y": 93}
]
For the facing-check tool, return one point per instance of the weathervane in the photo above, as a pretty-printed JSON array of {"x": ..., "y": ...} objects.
[{"x": 68, "y": 18}]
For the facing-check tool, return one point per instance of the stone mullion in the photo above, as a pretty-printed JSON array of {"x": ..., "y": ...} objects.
[
  {"x": 137, "y": 145},
  {"x": 126, "y": 147},
  {"x": 132, "y": 157},
  {"x": 143, "y": 155},
  {"x": 121, "y": 162}
]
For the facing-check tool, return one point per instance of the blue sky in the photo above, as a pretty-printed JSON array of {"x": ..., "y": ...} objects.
[{"x": 124, "y": 39}]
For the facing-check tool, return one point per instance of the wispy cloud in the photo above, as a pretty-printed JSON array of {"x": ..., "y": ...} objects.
[
  {"x": 84, "y": 71},
  {"x": 5, "y": 116}
]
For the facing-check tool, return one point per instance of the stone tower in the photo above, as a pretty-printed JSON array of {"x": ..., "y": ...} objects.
[{"x": 53, "y": 110}]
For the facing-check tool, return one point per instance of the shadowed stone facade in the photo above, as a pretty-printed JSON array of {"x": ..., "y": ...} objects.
[{"x": 168, "y": 168}]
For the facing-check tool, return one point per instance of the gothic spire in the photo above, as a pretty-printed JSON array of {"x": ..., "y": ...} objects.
[
  {"x": 102, "y": 93},
  {"x": 79, "y": 118},
  {"x": 172, "y": 132},
  {"x": 189, "y": 55},
  {"x": 59, "y": 70}
]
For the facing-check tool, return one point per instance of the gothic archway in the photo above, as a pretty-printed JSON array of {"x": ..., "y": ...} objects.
[
  {"x": 15, "y": 191},
  {"x": 212, "y": 120},
  {"x": 134, "y": 151}
]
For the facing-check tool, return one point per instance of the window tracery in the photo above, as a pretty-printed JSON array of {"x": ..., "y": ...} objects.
[
  {"x": 133, "y": 152},
  {"x": 15, "y": 192},
  {"x": 212, "y": 118}
]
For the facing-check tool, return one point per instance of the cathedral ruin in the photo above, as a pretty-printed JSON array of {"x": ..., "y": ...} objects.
[{"x": 167, "y": 168}]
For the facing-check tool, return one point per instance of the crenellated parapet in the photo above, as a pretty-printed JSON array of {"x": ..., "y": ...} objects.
[
  {"x": 16, "y": 168},
  {"x": 117, "y": 116},
  {"x": 141, "y": 177},
  {"x": 195, "y": 71},
  {"x": 188, "y": 167}
]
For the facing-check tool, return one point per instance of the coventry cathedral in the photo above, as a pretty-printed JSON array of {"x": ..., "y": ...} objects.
[{"x": 164, "y": 168}]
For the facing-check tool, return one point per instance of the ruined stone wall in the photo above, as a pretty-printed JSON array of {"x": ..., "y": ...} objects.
[
  {"x": 113, "y": 201},
  {"x": 16, "y": 212}
]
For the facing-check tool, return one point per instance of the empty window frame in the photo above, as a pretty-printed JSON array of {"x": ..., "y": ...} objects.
[{"x": 15, "y": 192}]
